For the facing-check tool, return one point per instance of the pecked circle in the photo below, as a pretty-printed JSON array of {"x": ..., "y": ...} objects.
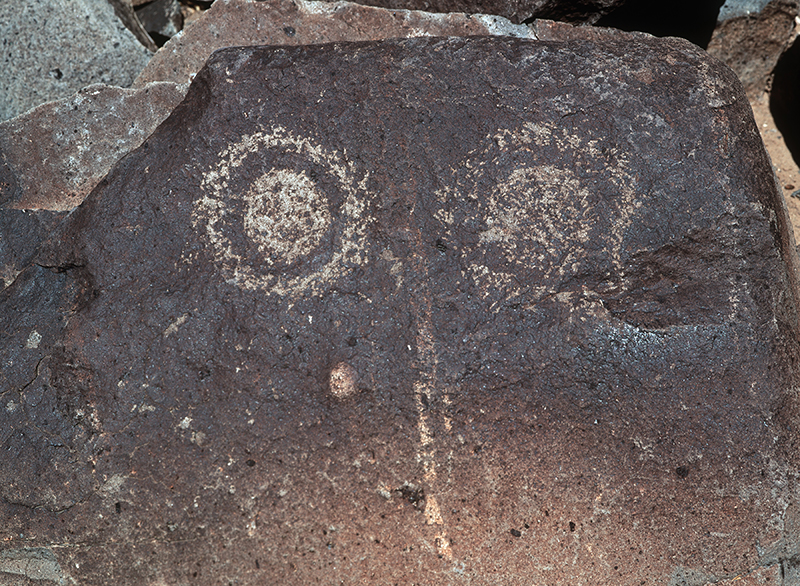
[
  {"x": 282, "y": 214},
  {"x": 286, "y": 216},
  {"x": 536, "y": 219}
]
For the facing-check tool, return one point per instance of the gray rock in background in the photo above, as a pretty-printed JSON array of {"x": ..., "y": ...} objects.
[
  {"x": 51, "y": 48},
  {"x": 750, "y": 40},
  {"x": 735, "y": 8}
]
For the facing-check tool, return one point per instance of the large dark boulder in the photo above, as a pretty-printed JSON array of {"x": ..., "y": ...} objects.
[{"x": 434, "y": 311}]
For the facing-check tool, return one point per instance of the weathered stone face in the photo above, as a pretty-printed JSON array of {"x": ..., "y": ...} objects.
[
  {"x": 53, "y": 48},
  {"x": 751, "y": 43},
  {"x": 433, "y": 311},
  {"x": 234, "y": 23},
  {"x": 58, "y": 152},
  {"x": 577, "y": 11}
]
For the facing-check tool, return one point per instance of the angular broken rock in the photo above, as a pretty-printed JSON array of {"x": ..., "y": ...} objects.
[
  {"x": 57, "y": 153},
  {"x": 518, "y": 11},
  {"x": 52, "y": 157},
  {"x": 53, "y": 48},
  {"x": 302, "y": 22},
  {"x": 433, "y": 311}
]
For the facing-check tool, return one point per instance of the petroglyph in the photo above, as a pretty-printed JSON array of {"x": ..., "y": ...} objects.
[
  {"x": 343, "y": 380},
  {"x": 283, "y": 216},
  {"x": 267, "y": 233},
  {"x": 537, "y": 215},
  {"x": 427, "y": 390}
]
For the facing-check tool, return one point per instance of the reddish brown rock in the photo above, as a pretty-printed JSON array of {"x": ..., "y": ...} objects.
[
  {"x": 231, "y": 23},
  {"x": 423, "y": 311},
  {"x": 54, "y": 155},
  {"x": 518, "y": 11},
  {"x": 58, "y": 152},
  {"x": 751, "y": 44}
]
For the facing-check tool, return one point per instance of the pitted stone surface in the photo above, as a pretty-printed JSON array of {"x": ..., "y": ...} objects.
[
  {"x": 518, "y": 11},
  {"x": 52, "y": 48},
  {"x": 231, "y": 23},
  {"x": 533, "y": 320},
  {"x": 751, "y": 37},
  {"x": 60, "y": 151},
  {"x": 54, "y": 155}
]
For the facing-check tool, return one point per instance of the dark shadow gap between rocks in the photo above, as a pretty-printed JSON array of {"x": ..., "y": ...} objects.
[
  {"x": 691, "y": 20},
  {"x": 785, "y": 96}
]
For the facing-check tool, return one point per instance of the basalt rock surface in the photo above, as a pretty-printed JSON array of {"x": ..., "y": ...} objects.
[
  {"x": 52, "y": 48},
  {"x": 56, "y": 154},
  {"x": 299, "y": 22},
  {"x": 425, "y": 311},
  {"x": 751, "y": 43},
  {"x": 518, "y": 11}
]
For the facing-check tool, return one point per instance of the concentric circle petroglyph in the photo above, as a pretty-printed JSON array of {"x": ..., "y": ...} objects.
[
  {"x": 282, "y": 214},
  {"x": 535, "y": 197},
  {"x": 286, "y": 215}
]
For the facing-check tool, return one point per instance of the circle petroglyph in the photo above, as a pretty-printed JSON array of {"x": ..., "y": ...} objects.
[
  {"x": 286, "y": 216},
  {"x": 538, "y": 197},
  {"x": 282, "y": 214}
]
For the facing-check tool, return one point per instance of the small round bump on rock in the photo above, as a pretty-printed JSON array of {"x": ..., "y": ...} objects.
[{"x": 343, "y": 380}]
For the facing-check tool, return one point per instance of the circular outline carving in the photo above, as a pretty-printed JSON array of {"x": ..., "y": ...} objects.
[{"x": 212, "y": 207}]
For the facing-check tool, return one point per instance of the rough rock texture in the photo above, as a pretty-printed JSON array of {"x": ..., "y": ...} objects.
[
  {"x": 162, "y": 19},
  {"x": 736, "y": 8},
  {"x": 299, "y": 22},
  {"x": 518, "y": 11},
  {"x": 56, "y": 154},
  {"x": 447, "y": 311},
  {"x": 751, "y": 44},
  {"x": 52, "y": 48},
  {"x": 21, "y": 233}
]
